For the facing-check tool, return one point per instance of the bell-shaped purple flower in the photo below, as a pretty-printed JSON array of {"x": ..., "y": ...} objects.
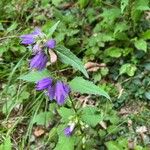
[
  {"x": 51, "y": 92},
  {"x": 61, "y": 92},
  {"x": 28, "y": 39},
  {"x": 44, "y": 83},
  {"x": 68, "y": 130},
  {"x": 39, "y": 61},
  {"x": 50, "y": 43}
]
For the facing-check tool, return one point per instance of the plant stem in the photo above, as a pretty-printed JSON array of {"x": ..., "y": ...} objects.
[{"x": 72, "y": 103}]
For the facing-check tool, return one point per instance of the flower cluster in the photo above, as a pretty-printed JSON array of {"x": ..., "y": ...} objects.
[
  {"x": 58, "y": 91},
  {"x": 55, "y": 90},
  {"x": 35, "y": 39}
]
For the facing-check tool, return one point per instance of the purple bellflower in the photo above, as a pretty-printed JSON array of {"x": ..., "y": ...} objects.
[
  {"x": 61, "y": 92},
  {"x": 68, "y": 130},
  {"x": 39, "y": 61},
  {"x": 44, "y": 83},
  {"x": 50, "y": 43},
  {"x": 28, "y": 39}
]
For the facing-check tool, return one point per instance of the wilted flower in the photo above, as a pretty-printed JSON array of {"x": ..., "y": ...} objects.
[
  {"x": 44, "y": 83},
  {"x": 39, "y": 61},
  {"x": 61, "y": 92},
  {"x": 68, "y": 130},
  {"x": 30, "y": 38},
  {"x": 50, "y": 43}
]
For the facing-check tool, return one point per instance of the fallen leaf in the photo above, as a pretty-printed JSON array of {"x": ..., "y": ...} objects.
[
  {"x": 103, "y": 124},
  {"x": 93, "y": 67},
  {"x": 53, "y": 56},
  {"x": 141, "y": 129},
  {"x": 38, "y": 131},
  {"x": 131, "y": 144}
]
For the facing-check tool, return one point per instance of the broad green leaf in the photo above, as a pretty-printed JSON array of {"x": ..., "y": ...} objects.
[
  {"x": 35, "y": 76},
  {"x": 65, "y": 113},
  {"x": 119, "y": 144},
  {"x": 124, "y": 4},
  {"x": 90, "y": 116},
  {"x": 113, "y": 52},
  {"x": 128, "y": 69},
  {"x": 43, "y": 118},
  {"x": 52, "y": 29},
  {"x": 141, "y": 45},
  {"x": 83, "y": 86},
  {"x": 67, "y": 57}
]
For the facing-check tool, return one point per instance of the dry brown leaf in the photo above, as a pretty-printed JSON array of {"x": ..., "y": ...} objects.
[
  {"x": 38, "y": 131},
  {"x": 53, "y": 56},
  {"x": 103, "y": 124},
  {"x": 93, "y": 67},
  {"x": 131, "y": 144}
]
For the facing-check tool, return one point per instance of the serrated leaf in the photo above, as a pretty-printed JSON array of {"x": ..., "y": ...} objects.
[
  {"x": 113, "y": 52},
  {"x": 128, "y": 69},
  {"x": 65, "y": 113},
  {"x": 52, "y": 29},
  {"x": 35, "y": 76},
  {"x": 83, "y": 86},
  {"x": 67, "y": 57},
  {"x": 141, "y": 45},
  {"x": 90, "y": 117}
]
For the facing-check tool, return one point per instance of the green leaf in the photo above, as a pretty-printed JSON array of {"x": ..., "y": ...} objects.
[
  {"x": 83, "y": 3},
  {"x": 6, "y": 144},
  {"x": 90, "y": 116},
  {"x": 146, "y": 35},
  {"x": 65, "y": 113},
  {"x": 43, "y": 118},
  {"x": 35, "y": 76},
  {"x": 121, "y": 27},
  {"x": 124, "y": 4},
  {"x": 52, "y": 29},
  {"x": 12, "y": 27},
  {"x": 141, "y": 45},
  {"x": 67, "y": 57},
  {"x": 65, "y": 143},
  {"x": 113, "y": 52},
  {"x": 83, "y": 86},
  {"x": 128, "y": 68},
  {"x": 147, "y": 95}
]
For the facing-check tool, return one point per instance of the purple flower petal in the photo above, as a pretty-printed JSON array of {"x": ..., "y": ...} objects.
[
  {"x": 39, "y": 61},
  {"x": 61, "y": 92},
  {"x": 28, "y": 39},
  {"x": 44, "y": 83},
  {"x": 68, "y": 130},
  {"x": 51, "y": 92},
  {"x": 50, "y": 43}
]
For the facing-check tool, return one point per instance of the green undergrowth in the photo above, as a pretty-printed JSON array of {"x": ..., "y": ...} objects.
[{"x": 115, "y": 34}]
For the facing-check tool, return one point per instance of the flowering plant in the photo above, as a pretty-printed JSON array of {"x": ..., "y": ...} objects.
[{"x": 58, "y": 90}]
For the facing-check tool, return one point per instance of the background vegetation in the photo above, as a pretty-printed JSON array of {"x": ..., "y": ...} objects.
[{"x": 111, "y": 37}]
